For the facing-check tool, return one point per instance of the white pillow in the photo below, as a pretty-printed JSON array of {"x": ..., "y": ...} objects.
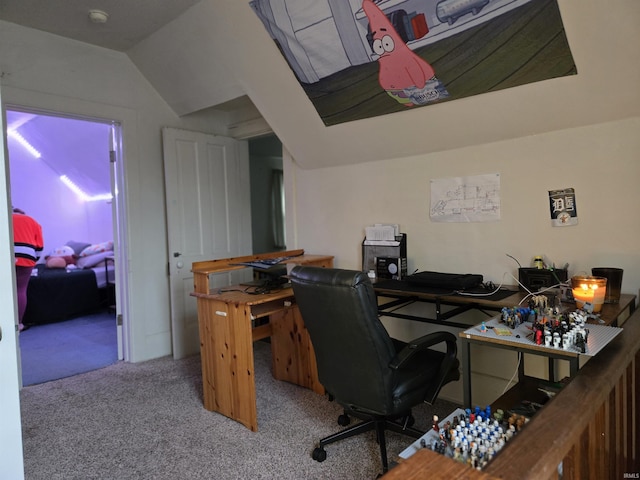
[
  {"x": 97, "y": 248},
  {"x": 92, "y": 260}
]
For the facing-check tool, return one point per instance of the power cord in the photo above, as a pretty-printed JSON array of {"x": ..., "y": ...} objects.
[
  {"x": 514, "y": 374},
  {"x": 489, "y": 286}
]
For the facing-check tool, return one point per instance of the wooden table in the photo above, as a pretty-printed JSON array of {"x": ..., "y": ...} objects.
[{"x": 231, "y": 319}]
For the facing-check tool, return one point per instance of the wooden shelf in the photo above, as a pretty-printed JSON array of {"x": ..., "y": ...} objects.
[{"x": 269, "y": 308}]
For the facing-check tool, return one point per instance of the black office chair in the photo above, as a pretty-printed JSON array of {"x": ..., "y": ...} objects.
[{"x": 374, "y": 377}]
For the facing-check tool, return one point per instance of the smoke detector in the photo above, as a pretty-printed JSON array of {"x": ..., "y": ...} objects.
[{"x": 98, "y": 16}]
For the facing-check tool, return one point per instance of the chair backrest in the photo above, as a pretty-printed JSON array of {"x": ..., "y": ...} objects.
[{"x": 353, "y": 349}]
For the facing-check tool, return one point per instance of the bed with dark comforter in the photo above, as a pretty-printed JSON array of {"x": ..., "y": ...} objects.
[{"x": 55, "y": 294}]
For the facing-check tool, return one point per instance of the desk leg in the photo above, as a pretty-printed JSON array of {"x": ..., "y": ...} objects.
[
  {"x": 466, "y": 373},
  {"x": 226, "y": 346},
  {"x": 574, "y": 365},
  {"x": 292, "y": 356}
]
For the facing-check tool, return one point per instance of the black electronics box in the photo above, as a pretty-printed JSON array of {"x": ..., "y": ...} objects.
[
  {"x": 372, "y": 250},
  {"x": 452, "y": 281},
  {"x": 394, "y": 268},
  {"x": 534, "y": 279}
]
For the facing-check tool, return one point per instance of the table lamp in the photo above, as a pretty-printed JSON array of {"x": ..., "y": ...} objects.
[{"x": 589, "y": 289}]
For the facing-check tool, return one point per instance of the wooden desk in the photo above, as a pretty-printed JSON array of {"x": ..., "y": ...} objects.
[{"x": 229, "y": 323}]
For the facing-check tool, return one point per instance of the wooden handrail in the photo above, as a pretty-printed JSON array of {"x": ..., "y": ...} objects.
[{"x": 590, "y": 429}]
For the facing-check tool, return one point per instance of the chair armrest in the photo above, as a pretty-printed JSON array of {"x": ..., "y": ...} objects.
[
  {"x": 448, "y": 362},
  {"x": 422, "y": 343}
]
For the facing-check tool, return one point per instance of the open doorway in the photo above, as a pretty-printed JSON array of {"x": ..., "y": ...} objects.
[
  {"x": 62, "y": 174},
  {"x": 267, "y": 194}
]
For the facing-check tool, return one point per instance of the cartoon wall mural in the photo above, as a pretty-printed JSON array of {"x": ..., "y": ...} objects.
[
  {"x": 403, "y": 75},
  {"x": 362, "y": 58}
]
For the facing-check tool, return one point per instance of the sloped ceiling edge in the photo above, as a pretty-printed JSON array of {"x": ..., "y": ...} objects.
[{"x": 219, "y": 50}]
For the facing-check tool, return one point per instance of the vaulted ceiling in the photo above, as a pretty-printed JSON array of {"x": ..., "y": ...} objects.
[{"x": 221, "y": 56}]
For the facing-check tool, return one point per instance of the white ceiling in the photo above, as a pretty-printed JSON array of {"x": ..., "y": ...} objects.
[
  {"x": 129, "y": 21},
  {"x": 73, "y": 147}
]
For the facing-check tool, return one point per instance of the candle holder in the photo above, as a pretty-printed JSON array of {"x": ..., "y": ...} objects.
[{"x": 589, "y": 292}]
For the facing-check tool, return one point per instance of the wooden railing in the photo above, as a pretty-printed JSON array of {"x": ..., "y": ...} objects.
[{"x": 590, "y": 430}]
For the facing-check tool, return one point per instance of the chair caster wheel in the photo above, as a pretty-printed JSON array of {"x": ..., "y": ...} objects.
[
  {"x": 344, "y": 420},
  {"x": 319, "y": 454}
]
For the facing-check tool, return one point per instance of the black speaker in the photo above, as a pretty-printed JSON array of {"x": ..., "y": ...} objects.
[{"x": 394, "y": 268}]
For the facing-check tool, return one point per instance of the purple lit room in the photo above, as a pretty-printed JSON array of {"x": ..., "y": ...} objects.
[{"x": 60, "y": 175}]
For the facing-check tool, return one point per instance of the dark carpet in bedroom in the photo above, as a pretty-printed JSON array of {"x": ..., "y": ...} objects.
[{"x": 63, "y": 349}]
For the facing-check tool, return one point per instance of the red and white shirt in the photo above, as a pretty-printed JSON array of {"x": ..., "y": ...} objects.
[{"x": 27, "y": 240}]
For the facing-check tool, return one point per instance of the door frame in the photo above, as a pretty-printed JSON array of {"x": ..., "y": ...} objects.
[
  {"x": 11, "y": 452},
  {"x": 118, "y": 211}
]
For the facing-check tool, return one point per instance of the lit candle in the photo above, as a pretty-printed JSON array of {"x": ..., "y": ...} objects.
[{"x": 589, "y": 290}]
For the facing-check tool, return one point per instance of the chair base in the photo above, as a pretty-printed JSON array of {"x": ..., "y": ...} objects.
[{"x": 378, "y": 423}]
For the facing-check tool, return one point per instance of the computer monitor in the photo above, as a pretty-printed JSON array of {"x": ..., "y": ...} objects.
[{"x": 268, "y": 278}]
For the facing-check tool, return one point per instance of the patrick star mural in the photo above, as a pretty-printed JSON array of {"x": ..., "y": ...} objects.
[
  {"x": 356, "y": 59},
  {"x": 405, "y": 76}
]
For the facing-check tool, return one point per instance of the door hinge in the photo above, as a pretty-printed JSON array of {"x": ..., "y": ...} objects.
[{"x": 119, "y": 320}]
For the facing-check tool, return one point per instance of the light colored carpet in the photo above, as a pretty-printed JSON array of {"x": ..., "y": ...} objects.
[{"x": 146, "y": 421}]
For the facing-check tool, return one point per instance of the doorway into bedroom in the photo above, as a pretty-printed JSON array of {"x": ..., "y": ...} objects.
[{"x": 61, "y": 175}]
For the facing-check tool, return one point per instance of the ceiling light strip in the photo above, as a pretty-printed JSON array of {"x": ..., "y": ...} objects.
[
  {"x": 80, "y": 193},
  {"x": 23, "y": 141}
]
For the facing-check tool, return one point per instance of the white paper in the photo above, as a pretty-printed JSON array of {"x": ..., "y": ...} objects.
[
  {"x": 381, "y": 232},
  {"x": 466, "y": 199}
]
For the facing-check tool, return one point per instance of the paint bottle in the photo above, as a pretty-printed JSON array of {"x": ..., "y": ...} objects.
[{"x": 538, "y": 262}]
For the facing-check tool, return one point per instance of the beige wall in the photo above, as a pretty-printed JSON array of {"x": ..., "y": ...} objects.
[{"x": 333, "y": 205}]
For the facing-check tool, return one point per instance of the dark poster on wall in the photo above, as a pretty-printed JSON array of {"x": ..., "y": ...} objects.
[
  {"x": 562, "y": 207},
  {"x": 362, "y": 58}
]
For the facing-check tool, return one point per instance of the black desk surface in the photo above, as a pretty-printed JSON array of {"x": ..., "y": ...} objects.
[
  {"x": 404, "y": 288},
  {"x": 611, "y": 313}
]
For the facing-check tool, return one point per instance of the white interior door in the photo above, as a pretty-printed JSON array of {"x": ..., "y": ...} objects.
[{"x": 208, "y": 217}]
